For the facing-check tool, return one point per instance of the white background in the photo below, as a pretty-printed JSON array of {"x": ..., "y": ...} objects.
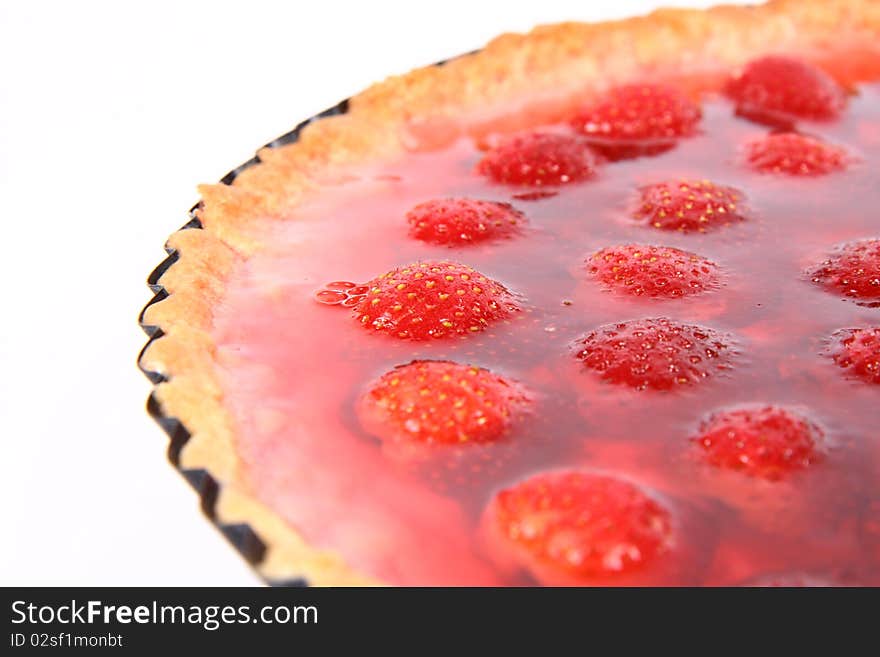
[{"x": 110, "y": 114}]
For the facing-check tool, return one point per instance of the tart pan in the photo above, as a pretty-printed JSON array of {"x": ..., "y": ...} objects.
[{"x": 242, "y": 537}]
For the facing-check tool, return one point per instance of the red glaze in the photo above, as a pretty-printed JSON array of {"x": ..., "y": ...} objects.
[{"x": 294, "y": 370}]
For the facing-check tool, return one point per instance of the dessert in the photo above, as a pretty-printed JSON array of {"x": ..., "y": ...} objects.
[{"x": 597, "y": 305}]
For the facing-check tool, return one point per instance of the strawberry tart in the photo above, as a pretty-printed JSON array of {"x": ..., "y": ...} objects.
[{"x": 596, "y": 305}]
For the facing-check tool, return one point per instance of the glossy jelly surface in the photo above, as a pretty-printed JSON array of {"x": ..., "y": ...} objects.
[{"x": 295, "y": 369}]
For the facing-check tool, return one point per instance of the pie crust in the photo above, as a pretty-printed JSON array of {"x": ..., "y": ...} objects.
[{"x": 537, "y": 75}]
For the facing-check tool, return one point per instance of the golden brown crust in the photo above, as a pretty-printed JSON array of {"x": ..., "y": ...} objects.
[{"x": 543, "y": 71}]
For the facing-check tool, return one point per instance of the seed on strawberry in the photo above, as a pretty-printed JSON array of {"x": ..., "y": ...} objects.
[
  {"x": 690, "y": 206},
  {"x": 653, "y": 271},
  {"x": 852, "y": 270},
  {"x": 438, "y": 299},
  {"x": 857, "y": 351},
  {"x": 580, "y": 524},
  {"x": 761, "y": 441},
  {"x": 442, "y": 403},
  {"x": 539, "y": 159},
  {"x": 794, "y": 154},
  {"x": 462, "y": 221},
  {"x": 779, "y": 90},
  {"x": 655, "y": 354},
  {"x": 638, "y": 119}
]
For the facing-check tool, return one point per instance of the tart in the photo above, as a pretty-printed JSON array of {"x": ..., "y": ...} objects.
[{"x": 596, "y": 305}]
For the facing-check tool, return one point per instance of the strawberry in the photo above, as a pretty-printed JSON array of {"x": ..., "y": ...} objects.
[
  {"x": 852, "y": 270},
  {"x": 539, "y": 159},
  {"x": 760, "y": 441},
  {"x": 637, "y": 119},
  {"x": 656, "y": 354},
  {"x": 580, "y": 524},
  {"x": 779, "y": 90},
  {"x": 653, "y": 271},
  {"x": 461, "y": 221},
  {"x": 858, "y": 351},
  {"x": 433, "y": 300},
  {"x": 689, "y": 206},
  {"x": 441, "y": 403},
  {"x": 795, "y": 155}
]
